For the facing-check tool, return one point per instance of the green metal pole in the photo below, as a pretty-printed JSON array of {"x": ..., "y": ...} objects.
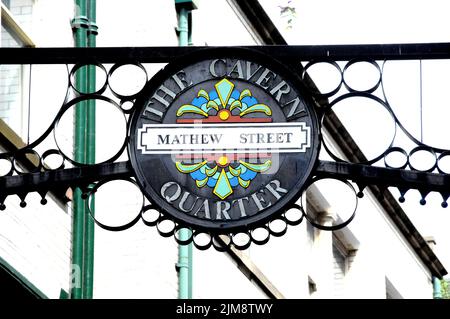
[
  {"x": 190, "y": 246},
  {"x": 184, "y": 251},
  {"x": 190, "y": 269},
  {"x": 79, "y": 24},
  {"x": 183, "y": 27},
  {"x": 437, "y": 293},
  {"x": 190, "y": 250},
  {"x": 89, "y": 225},
  {"x": 190, "y": 28}
]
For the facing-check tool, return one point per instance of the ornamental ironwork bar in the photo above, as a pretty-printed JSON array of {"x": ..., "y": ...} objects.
[
  {"x": 79, "y": 27},
  {"x": 69, "y": 177},
  {"x": 358, "y": 173},
  {"x": 410, "y": 51},
  {"x": 372, "y": 175}
]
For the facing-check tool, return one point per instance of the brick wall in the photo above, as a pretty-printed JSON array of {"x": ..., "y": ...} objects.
[{"x": 11, "y": 102}]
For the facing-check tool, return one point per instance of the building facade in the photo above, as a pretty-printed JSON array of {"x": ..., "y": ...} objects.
[{"x": 376, "y": 256}]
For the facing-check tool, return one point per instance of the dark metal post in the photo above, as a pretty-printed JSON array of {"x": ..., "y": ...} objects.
[
  {"x": 89, "y": 225},
  {"x": 185, "y": 252},
  {"x": 79, "y": 26}
]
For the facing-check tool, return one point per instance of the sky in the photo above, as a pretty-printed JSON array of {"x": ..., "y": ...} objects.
[
  {"x": 383, "y": 22},
  {"x": 356, "y": 21}
]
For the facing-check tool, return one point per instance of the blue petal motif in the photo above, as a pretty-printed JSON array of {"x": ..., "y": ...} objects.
[
  {"x": 198, "y": 175},
  {"x": 235, "y": 94},
  {"x": 199, "y": 101},
  {"x": 232, "y": 179},
  {"x": 212, "y": 182},
  {"x": 247, "y": 174},
  {"x": 213, "y": 95},
  {"x": 248, "y": 101}
]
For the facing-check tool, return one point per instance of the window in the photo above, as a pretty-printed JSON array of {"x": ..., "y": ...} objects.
[
  {"x": 310, "y": 230},
  {"x": 6, "y": 3},
  {"x": 391, "y": 292},
  {"x": 14, "y": 86},
  {"x": 339, "y": 267},
  {"x": 344, "y": 252},
  {"x": 13, "y": 17},
  {"x": 312, "y": 287}
]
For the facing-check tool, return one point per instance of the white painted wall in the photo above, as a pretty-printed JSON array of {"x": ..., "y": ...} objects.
[
  {"x": 36, "y": 240},
  {"x": 138, "y": 263},
  {"x": 215, "y": 276},
  {"x": 383, "y": 252},
  {"x": 136, "y": 23}
]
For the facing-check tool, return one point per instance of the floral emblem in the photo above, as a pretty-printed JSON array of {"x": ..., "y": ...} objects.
[{"x": 224, "y": 172}]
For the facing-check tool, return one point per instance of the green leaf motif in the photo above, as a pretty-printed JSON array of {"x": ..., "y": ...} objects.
[
  {"x": 188, "y": 108},
  {"x": 259, "y": 168},
  {"x": 189, "y": 168},
  {"x": 262, "y": 108}
]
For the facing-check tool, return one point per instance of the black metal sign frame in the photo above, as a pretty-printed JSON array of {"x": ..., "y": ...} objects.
[
  {"x": 357, "y": 169},
  {"x": 255, "y": 200}
]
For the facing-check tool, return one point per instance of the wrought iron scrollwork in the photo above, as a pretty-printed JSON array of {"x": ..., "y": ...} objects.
[
  {"x": 27, "y": 170},
  {"x": 405, "y": 158}
]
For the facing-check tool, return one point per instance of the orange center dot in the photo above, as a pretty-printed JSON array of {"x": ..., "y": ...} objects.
[
  {"x": 222, "y": 161},
  {"x": 224, "y": 115}
]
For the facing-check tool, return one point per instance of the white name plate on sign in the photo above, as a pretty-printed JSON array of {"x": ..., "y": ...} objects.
[{"x": 218, "y": 138}]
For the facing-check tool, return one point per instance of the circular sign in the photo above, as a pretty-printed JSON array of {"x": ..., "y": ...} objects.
[{"x": 223, "y": 139}]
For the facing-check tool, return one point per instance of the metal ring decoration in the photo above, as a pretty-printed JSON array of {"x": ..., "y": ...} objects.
[
  {"x": 419, "y": 149},
  {"x": 78, "y": 66},
  {"x": 370, "y": 89},
  {"x": 401, "y": 126},
  {"x": 127, "y": 110},
  {"x": 197, "y": 245},
  {"x": 441, "y": 156},
  {"x": 23, "y": 154},
  {"x": 363, "y": 95},
  {"x": 73, "y": 103},
  {"x": 109, "y": 227},
  {"x": 151, "y": 222},
  {"x": 241, "y": 246},
  {"x": 275, "y": 232},
  {"x": 6, "y": 157},
  {"x": 215, "y": 239},
  {"x": 291, "y": 221},
  {"x": 49, "y": 153},
  {"x": 334, "y": 227},
  {"x": 218, "y": 241},
  {"x": 315, "y": 91},
  {"x": 167, "y": 233},
  {"x": 183, "y": 242},
  {"x": 47, "y": 132},
  {"x": 123, "y": 97},
  {"x": 398, "y": 150},
  {"x": 265, "y": 238}
]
